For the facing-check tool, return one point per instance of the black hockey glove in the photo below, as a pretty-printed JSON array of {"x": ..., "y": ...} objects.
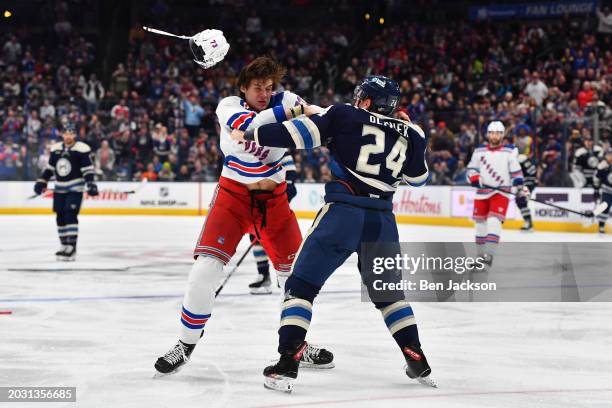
[
  {"x": 92, "y": 189},
  {"x": 291, "y": 190},
  {"x": 40, "y": 187}
]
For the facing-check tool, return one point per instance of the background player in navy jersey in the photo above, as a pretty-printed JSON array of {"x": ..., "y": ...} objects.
[
  {"x": 70, "y": 162},
  {"x": 603, "y": 188},
  {"x": 371, "y": 153}
]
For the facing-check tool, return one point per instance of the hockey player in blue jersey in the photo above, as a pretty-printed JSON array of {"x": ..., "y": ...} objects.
[
  {"x": 603, "y": 188},
  {"x": 370, "y": 154},
  {"x": 71, "y": 165}
]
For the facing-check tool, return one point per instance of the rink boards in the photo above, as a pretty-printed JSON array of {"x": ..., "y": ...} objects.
[{"x": 432, "y": 205}]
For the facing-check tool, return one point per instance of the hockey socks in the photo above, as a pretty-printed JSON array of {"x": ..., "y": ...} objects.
[
  {"x": 401, "y": 323},
  {"x": 204, "y": 277}
]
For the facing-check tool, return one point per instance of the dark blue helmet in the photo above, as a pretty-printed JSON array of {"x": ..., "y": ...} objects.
[
  {"x": 69, "y": 127},
  {"x": 384, "y": 92}
]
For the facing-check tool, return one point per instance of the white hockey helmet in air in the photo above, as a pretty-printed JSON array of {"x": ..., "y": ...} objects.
[{"x": 496, "y": 126}]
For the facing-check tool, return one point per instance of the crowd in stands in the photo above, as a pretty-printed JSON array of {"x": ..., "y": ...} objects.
[{"x": 549, "y": 82}]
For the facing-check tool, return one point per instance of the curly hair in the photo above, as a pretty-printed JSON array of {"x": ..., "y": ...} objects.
[{"x": 261, "y": 68}]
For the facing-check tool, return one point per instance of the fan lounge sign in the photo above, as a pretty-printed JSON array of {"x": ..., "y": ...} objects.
[{"x": 532, "y": 10}]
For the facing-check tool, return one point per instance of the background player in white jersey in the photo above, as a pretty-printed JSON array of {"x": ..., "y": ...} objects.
[
  {"x": 250, "y": 198},
  {"x": 493, "y": 165}
]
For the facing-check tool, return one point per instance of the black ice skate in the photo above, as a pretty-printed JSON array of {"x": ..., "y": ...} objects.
[
  {"x": 487, "y": 259},
  {"x": 527, "y": 226},
  {"x": 61, "y": 250},
  {"x": 417, "y": 366},
  {"x": 68, "y": 255},
  {"x": 316, "y": 357},
  {"x": 602, "y": 228},
  {"x": 174, "y": 359},
  {"x": 262, "y": 286},
  {"x": 280, "y": 376}
]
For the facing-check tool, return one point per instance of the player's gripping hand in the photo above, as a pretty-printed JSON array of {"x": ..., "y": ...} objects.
[
  {"x": 92, "y": 189},
  {"x": 237, "y": 135},
  {"x": 40, "y": 187},
  {"x": 209, "y": 47},
  {"x": 403, "y": 116},
  {"x": 475, "y": 180}
]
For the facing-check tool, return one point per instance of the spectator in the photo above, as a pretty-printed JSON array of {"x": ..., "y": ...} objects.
[
  {"x": 166, "y": 173},
  {"x": 183, "y": 174},
  {"x": 585, "y": 96},
  {"x": 12, "y": 50},
  {"x": 150, "y": 174},
  {"x": 536, "y": 89},
  {"x": 47, "y": 110},
  {"x": 253, "y": 23},
  {"x": 120, "y": 111},
  {"x": 105, "y": 161},
  {"x": 93, "y": 94},
  {"x": 604, "y": 17},
  {"x": 193, "y": 115}
]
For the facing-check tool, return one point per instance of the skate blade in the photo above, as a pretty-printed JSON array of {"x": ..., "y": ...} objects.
[
  {"x": 65, "y": 259},
  {"x": 304, "y": 364},
  {"x": 279, "y": 383},
  {"x": 162, "y": 375},
  {"x": 261, "y": 291},
  {"x": 427, "y": 381}
]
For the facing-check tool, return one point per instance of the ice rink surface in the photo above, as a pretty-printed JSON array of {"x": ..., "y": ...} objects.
[{"x": 102, "y": 330}]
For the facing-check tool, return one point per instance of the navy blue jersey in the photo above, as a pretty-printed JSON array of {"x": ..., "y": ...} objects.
[
  {"x": 71, "y": 166},
  {"x": 603, "y": 177},
  {"x": 371, "y": 151},
  {"x": 529, "y": 171}
]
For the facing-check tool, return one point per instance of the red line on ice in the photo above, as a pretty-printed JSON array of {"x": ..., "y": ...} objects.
[{"x": 412, "y": 396}]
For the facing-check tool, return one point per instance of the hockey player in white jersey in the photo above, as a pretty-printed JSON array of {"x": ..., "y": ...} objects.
[
  {"x": 493, "y": 166},
  {"x": 249, "y": 199}
]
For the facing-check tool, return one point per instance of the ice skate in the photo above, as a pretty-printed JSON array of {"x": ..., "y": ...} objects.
[
  {"x": 527, "y": 226},
  {"x": 174, "y": 359},
  {"x": 316, "y": 357},
  {"x": 68, "y": 255},
  {"x": 417, "y": 366},
  {"x": 262, "y": 286},
  {"x": 61, "y": 250},
  {"x": 280, "y": 376}
]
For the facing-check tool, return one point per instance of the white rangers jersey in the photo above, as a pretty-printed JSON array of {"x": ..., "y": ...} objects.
[
  {"x": 497, "y": 167},
  {"x": 246, "y": 161}
]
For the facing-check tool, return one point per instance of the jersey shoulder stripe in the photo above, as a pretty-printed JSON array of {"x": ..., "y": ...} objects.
[
  {"x": 81, "y": 147},
  {"x": 240, "y": 120}
]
